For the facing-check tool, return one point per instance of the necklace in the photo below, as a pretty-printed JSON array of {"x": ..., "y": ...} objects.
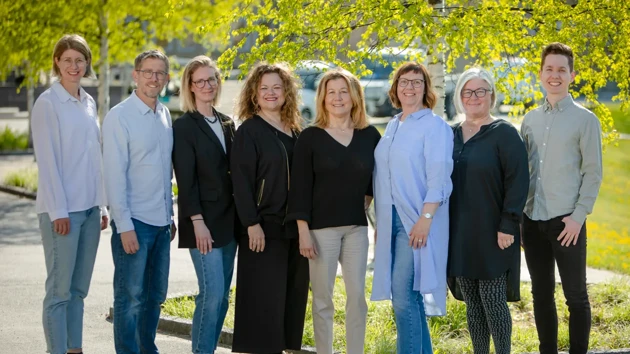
[
  {"x": 275, "y": 125},
  {"x": 471, "y": 129},
  {"x": 212, "y": 119}
]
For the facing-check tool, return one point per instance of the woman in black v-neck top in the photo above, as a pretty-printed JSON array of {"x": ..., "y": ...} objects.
[
  {"x": 330, "y": 190},
  {"x": 272, "y": 276}
]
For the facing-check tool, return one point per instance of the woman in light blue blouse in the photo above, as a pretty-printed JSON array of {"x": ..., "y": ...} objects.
[{"x": 412, "y": 185}]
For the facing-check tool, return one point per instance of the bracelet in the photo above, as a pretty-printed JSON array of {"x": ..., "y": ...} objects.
[{"x": 196, "y": 219}]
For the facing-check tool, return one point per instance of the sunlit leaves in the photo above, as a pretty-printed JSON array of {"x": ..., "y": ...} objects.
[{"x": 481, "y": 31}]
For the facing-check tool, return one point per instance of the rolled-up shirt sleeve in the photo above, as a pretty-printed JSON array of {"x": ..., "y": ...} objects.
[
  {"x": 47, "y": 144},
  {"x": 438, "y": 155},
  {"x": 116, "y": 163}
]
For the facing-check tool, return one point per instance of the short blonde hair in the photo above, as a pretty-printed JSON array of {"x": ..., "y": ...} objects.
[
  {"x": 357, "y": 114},
  {"x": 247, "y": 103},
  {"x": 188, "y": 103},
  {"x": 151, "y": 54},
  {"x": 430, "y": 97},
  {"x": 75, "y": 42},
  {"x": 473, "y": 73}
]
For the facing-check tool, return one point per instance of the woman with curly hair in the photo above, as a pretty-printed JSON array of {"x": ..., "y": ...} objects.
[{"x": 272, "y": 276}]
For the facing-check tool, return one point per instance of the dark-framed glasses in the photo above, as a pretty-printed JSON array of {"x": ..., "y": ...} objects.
[
  {"x": 148, "y": 74},
  {"x": 417, "y": 83},
  {"x": 212, "y": 82},
  {"x": 479, "y": 93}
]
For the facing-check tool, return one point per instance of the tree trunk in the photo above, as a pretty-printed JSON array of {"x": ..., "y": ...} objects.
[
  {"x": 436, "y": 69},
  {"x": 104, "y": 74},
  {"x": 30, "y": 101}
]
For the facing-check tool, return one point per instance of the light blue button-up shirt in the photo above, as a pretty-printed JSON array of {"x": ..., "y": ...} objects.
[
  {"x": 137, "y": 147},
  {"x": 413, "y": 166}
]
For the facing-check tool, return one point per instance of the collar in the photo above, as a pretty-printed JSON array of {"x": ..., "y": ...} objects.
[
  {"x": 560, "y": 105},
  {"x": 142, "y": 107},
  {"x": 65, "y": 96},
  {"x": 415, "y": 115}
]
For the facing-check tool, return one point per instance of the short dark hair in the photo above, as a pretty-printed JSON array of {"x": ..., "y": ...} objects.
[
  {"x": 557, "y": 48},
  {"x": 430, "y": 97}
]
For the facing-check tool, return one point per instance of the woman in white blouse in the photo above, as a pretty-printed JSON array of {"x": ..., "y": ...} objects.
[{"x": 67, "y": 144}]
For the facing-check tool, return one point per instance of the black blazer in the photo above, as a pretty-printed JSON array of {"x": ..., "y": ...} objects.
[
  {"x": 261, "y": 175},
  {"x": 202, "y": 170}
]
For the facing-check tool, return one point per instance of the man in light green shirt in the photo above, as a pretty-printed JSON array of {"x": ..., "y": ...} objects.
[{"x": 564, "y": 147}]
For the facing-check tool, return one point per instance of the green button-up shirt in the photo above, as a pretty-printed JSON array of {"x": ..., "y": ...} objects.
[{"x": 565, "y": 160}]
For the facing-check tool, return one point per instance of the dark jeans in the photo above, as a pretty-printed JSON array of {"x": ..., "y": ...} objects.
[
  {"x": 140, "y": 285},
  {"x": 541, "y": 249}
]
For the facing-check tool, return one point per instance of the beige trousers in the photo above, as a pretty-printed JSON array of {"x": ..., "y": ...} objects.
[{"x": 347, "y": 245}]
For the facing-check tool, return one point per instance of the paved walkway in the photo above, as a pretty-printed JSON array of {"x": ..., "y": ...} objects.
[{"x": 23, "y": 272}]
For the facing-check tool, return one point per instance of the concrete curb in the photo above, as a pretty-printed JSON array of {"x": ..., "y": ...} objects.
[
  {"x": 20, "y": 192},
  {"x": 609, "y": 351},
  {"x": 182, "y": 327},
  {"x": 16, "y": 152}
]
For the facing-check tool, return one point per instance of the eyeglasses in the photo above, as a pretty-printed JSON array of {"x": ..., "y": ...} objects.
[
  {"x": 479, "y": 93},
  {"x": 202, "y": 83},
  {"x": 78, "y": 62},
  {"x": 148, "y": 74},
  {"x": 417, "y": 83}
]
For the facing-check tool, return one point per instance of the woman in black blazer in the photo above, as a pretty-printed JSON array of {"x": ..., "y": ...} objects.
[
  {"x": 272, "y": 276},
  {"x": 207, "y": 218}
]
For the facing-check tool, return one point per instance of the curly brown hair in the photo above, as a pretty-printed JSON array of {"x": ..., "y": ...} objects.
[{"x": 247, "y": 103}]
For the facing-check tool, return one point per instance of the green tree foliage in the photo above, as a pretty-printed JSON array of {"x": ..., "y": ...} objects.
[
  {"x": 342, "y": 31},
  {"x": 29, "y": 29}
]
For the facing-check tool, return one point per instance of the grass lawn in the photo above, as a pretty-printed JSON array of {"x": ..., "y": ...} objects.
[
  {"x": 24, "y": 178},
  {"x": 609, "y": 225},
  {"x": 621, "y": 119},
  {"x": 611, "y": 321}
]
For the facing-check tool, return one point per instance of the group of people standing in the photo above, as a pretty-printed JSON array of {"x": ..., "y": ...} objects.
[{"x": 292, "y": 202}]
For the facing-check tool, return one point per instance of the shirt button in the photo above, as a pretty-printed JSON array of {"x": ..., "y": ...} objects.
[
  {"x": 538, "y": 178},
  {"x": 540, "y": 161},
  {"x": 547, "y": 128},
  {"x": 544, "y": 144}
]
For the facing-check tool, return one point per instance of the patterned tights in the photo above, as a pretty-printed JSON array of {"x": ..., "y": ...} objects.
[{"x": 487, "y": 313}]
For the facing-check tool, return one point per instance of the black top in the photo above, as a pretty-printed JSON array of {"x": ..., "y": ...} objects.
[
  {"x": 202, "y": 170},
  {"x": 287, "y": 141},
  {"x": 490, "y": 182},
  {"x": 261, "y": 173},
  {"x": 330, "y": 180}
]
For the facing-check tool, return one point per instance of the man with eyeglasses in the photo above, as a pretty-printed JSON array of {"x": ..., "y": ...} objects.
[{"x": 137, "y": 146}]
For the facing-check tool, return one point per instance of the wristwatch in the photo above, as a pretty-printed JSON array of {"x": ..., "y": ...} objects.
[{"x": 427, "y": 215}]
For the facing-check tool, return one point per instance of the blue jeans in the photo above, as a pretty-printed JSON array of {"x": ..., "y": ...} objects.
[
  {"x": 69, "y": 266},
  {"x": 413, "y": 335},
  {"x": 214, "y": 275},
  {"x": 140, "y": 285}
]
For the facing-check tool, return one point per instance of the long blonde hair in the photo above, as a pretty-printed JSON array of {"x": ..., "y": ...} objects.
[
  {"x": 247, "y": 104},
  {"x": 357, "y": 113},
  {"x": 188, "y": 103}
]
